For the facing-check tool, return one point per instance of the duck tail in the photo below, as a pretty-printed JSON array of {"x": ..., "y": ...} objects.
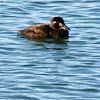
[{"x": 21, "y": 31}]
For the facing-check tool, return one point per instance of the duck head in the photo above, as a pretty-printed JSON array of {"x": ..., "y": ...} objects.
[{"x": 58, "y": 23}]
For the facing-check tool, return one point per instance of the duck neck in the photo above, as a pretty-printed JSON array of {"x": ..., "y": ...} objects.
[{"x": 54, "y": 26}]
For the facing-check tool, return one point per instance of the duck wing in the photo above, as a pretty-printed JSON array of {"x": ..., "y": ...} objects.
[{"x": 38, "y": 31}]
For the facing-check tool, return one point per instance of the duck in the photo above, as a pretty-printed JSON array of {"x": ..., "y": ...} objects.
[{"x": 56, "y": 29}]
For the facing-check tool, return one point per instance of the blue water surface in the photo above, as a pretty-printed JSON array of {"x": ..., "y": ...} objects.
[{"x": 50, "y": 69}]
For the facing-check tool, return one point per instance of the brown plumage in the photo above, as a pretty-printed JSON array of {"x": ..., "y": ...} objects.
[{"x": 55, "y": 29}]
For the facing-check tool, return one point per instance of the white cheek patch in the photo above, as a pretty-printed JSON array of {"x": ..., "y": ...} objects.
[
  {"x": 54, "y": 22},
  {"x": 60, "y": 24}
]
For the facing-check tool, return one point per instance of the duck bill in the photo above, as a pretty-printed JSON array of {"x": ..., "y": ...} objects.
[{"x": 65, "y": 27}]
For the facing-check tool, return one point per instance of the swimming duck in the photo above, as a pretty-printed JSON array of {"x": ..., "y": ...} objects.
[{"x": 55, "y": 29}]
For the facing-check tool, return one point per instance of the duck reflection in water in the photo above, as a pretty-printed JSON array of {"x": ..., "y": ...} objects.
[{"x": 50, "y": 40}]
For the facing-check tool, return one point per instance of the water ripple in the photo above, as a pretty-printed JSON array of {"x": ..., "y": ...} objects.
[{"x": 50, "y": 69}]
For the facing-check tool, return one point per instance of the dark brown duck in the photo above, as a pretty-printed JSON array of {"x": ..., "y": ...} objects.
[{"x": 55, "y": 29}]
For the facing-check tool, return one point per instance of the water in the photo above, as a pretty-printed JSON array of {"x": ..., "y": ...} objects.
[{"x": 51, "y": 69}]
